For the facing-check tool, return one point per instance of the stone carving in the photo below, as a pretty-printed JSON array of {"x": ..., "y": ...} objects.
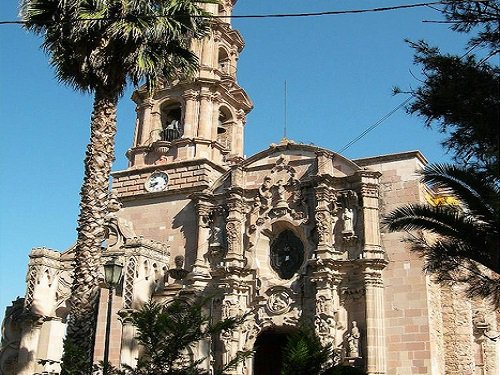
[
  {"x": 265, "y": 193},
  {"x": 233, "y": 236},
  {"x": 323, "y": 226},
  {"x": 30, "y": 288},
  {"x": 178, "y": 273},
  {"x": 11, "y": 335},
  {"x": 353, "y": 341},
  {"x": 279, "y": 301},
  {"x": 128, "y": 288}
]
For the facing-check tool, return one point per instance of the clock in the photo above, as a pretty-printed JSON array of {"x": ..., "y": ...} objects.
[{"x": 158, "y": 181}]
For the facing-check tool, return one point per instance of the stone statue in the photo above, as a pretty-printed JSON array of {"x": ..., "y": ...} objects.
[
  {"x": 215, "y": 239},
  {"x": 265, "y": 192},
  {"x": 178, "y": 273},
  {"x": 348, "y": 217},
  {"x": 353, "y": 341}
]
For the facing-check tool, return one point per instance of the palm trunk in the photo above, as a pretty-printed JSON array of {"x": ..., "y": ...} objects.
[{"x": 93, "y": 208}]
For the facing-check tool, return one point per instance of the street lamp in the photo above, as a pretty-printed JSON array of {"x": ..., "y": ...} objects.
[{"x": 112, "y": 275}]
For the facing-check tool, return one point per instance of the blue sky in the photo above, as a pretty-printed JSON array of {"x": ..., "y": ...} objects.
[{"x": 339, "y": 71}]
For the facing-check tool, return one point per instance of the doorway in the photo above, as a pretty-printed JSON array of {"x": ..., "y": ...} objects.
[{"x": 268, "y": 347}]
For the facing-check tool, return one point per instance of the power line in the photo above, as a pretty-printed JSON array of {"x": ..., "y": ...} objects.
[
  {"x": 390, "y": 113},
  {"x": 278, "y": 15},
  {"x": 380, "y": 121}
]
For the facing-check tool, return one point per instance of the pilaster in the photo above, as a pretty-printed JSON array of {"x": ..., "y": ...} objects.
[{"x": 375, "y": 329}]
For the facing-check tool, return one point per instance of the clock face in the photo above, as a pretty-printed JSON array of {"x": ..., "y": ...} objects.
[{"x": 156, "y": 182}]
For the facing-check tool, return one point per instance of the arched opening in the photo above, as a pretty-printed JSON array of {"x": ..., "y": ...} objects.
[
  {"x": 223, "y": 127},
  {"x": 224, "y": 62},
  {"x": 268, "y": 358},
  {"x": 171, "y": 122}
]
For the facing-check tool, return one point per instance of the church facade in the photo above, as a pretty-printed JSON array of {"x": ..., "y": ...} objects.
[{"x": 291, "y": 233}]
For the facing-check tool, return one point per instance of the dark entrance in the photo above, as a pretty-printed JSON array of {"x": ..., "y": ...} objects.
[{"x": 268, "y": 352}]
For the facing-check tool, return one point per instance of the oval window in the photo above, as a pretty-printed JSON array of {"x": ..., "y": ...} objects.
[{"x": 287, "y": 254}]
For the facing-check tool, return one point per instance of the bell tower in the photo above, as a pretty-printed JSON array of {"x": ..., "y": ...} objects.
[{"x": 202, "y": 118}]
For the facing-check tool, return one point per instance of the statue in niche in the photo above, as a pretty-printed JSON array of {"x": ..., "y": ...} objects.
[
  {"x": 287, "y": 254},
  {"x": 216, "y": 239},
  {"x": 348, "y": 217},
  {"x": 353, "y": 341},
  {"x": 349, "y": 204},
  {"x": 178, "y": 273}
]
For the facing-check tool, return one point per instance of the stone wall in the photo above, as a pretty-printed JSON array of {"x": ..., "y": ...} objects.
[{"x": 406, "y": 291}]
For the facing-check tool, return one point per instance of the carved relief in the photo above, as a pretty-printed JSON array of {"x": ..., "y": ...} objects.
[
  {"x": 323, "y": 226},
  {"x": 278, "y": 302},
  {"x": 233, "y": 236},
  {"x": 128, "y": 288}
]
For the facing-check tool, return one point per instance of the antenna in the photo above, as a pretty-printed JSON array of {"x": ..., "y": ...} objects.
[{"x": 284, "y": 128}]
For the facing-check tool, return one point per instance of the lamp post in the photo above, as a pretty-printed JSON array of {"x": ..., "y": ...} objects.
[{"x": 112, "y": 276}]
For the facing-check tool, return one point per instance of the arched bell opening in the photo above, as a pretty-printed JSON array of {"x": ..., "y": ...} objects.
[
  {"x": 225, "y": 121},
  {"x": 224, "y": 61},
  {"x": 171, "y": 122},
  {"x": 268, "y": 348}
]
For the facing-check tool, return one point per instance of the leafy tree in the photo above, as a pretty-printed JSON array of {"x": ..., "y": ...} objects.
[
  {"x": 460, "y": 93},
  {"x": 304, "y": 353},
  {"x": 465, "y": 16},
  {"x": 466, "y": 235},
  {"x": 165, "y": 334},
  {"x": 100, "y": 46},
  {"x": 462, "y": 97}
]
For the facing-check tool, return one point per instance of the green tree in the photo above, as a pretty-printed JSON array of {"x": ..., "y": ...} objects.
[
  {"x": 165, "y": 334},
  {"x": 99, "y": 47},
  {"x": 304, "y": 353},
  {"x": 461, "y": 96},
  {"x": 460, "y": 93},
  {"x": 465, "y": 236}
]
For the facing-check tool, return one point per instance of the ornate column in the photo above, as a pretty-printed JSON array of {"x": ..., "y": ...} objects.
[
  {"x": 375, "y": 330},
  {"x": 369, "y": 188},
  {"x": 326, "y": 280},
  {"x": 323, "y": 218},
  {"x": 235, "y": 220},
  {"x": 28, "y": 345}
]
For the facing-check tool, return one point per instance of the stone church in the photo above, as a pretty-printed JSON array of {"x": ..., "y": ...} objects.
[{"x": 291, "y": 233}]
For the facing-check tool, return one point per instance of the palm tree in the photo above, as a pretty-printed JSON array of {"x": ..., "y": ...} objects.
[
  {"x": 464, "y": 242},
  {"x": 101, "y": 46}
]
